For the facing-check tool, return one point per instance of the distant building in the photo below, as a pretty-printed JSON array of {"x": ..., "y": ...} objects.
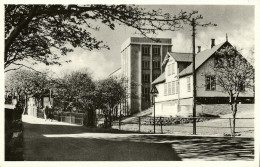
[
  {"x": 175, "y": 85},
  {"x": 141, "y": 60}
]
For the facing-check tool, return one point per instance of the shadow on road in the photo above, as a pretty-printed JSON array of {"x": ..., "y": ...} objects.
[
  {"x": 46, "y": 142},
  {"x": 65, "y": 142},
  {"x": 206, "y": 148}
]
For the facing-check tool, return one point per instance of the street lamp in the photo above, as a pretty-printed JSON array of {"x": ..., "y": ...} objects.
[{"x": 154, "y": 92}]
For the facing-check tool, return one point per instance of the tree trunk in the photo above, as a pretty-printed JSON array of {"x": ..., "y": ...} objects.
[
  {"x": 110, "y": 118},
  {"x": 26, "y": 105}
]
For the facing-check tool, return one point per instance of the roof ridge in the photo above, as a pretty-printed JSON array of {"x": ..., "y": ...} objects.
[
  {"x": 181, "y": 52},
  {"x": 212, "y": 47}
]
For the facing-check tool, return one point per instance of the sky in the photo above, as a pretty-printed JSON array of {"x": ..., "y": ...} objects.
[{"x": 235, "y": 21}]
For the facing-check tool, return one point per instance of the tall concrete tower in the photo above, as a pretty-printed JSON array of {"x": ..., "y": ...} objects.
[{"x": 141, "y": 60}]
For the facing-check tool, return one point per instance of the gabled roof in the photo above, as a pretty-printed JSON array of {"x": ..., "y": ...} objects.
[
  {"x": 182, "y": 57},
  {"x": 160, "y": 79},
  {"x": 177, "y": 56},
  {"x": 200, "y": 58}
]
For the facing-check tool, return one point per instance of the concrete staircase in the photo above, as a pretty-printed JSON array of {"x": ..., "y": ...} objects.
[{"x": 134, "y": 117}]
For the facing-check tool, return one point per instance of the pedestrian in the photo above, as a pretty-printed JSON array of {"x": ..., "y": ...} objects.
[
  {"x": 51, "y": 113},
  {"x": 46, "y": 112}
]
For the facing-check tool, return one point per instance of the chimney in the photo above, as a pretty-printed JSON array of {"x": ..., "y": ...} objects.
[
  {"x": 212, "y": 43},
  {"x": 199, "y": 47}
]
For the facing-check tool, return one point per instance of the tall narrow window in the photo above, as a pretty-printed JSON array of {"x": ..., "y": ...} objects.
[
  {"x": 177, "y": 87},
  {"x": 156, "y": 50},
  {"x": 210, "y": 82},
  {"x": 169, "y": 88},
  {"x": 173, "y": 69},
  {"x": 156, "y": 64},
  {"x": 165, "y": 89},
  {"x": 146, "y": 64},
  {"x": 146, "y": 93},
  {"x": 169, "y": 69},
  {"x": 188, "y": 84},
  {"x": 146, "y": 50},
  {"x": 146, "y": 78},
  {"x": 173, "y": 87}
]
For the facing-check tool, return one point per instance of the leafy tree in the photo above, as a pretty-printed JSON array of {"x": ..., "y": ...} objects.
[
  {"x": 41, "y": 33},
  {"x": 235, "y": 75},
  {"x": 76, "y": 90},
  {"x": 27, "y": 82},
  {"x": 111, "y": 92}
]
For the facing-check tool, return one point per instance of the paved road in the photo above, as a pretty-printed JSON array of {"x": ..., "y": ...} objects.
[
  {"x": 61, "y": 141},
  {"x": 47, "y": 141}
]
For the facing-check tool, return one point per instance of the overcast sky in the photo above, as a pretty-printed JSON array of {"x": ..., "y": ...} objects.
[{"x": 236, "y": 21}]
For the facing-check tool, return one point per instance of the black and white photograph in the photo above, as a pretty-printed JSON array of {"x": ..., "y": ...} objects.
[{"x": 134, "y": 82}]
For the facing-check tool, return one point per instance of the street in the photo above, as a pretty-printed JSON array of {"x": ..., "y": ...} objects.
[{"x": 56, "y": 141}]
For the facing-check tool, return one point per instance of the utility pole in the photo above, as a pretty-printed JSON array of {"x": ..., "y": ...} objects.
[{"x": 194, "y": 76}]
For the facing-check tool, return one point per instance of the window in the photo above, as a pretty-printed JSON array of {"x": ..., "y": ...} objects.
[
  {"x": 188, "y": 84},
  {"x": 165, "y": 89},
  {"x": 146, "y": 93},
  {"x": 169, "y": 88},
  {"x": 146, "y": 64},
  {"x": 171, "y": 69},
  {"x": 146, "y": 50},
  {"x": 173, "y": 87},
  {"x": 156, "y": 50},
  {"x": 156, "y": 64},
  {"x": 210, "y": 83},
  {"x": 146, "y": 78},
  {"x": 177, "y": 87}
]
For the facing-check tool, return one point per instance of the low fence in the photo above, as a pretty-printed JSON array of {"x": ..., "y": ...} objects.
[
  {"x": 169, "y": 125},
  {"x": 181, "y": 125},
  {"x": 72, "y": 118}
]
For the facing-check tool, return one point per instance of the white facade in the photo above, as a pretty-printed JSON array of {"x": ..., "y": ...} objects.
[
  {"x": 175, "y": 95},
  {"x": 170, "y": 100}
]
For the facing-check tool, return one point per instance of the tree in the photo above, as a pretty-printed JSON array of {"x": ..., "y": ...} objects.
[
  {"x": 41, "y": 33},
  {"x": 111, "y": 92},
  {"x": 76, "y": 90},
  {"x": 27, "y": 82},
  {"x": 234, "y": 74}
]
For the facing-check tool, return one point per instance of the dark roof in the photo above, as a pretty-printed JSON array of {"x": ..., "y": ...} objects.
[
  {"x": 200, "y": 58},
  {"x": 183, "y": 57},
  {"x": 160, "y": 79}
]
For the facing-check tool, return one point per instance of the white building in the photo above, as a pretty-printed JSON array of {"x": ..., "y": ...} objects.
[{"x": 175, "y": 85}]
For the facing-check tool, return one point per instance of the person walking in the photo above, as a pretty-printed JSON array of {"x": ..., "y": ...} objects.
[
  {"x": 46, "y": 112},
  {"x": 51, "y": 113}
]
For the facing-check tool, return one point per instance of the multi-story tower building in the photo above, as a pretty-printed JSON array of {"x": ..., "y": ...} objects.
[{"x": 141, "y": 60}]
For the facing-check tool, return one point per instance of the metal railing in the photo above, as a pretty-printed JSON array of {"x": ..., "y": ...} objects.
[{"x": 183, "y": 125}]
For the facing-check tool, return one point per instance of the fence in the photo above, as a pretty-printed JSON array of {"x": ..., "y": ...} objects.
[
  {"x": 181, "y": 125},
  {"x": 72, "y": 118},
  {"x": 170, "y": 125}
]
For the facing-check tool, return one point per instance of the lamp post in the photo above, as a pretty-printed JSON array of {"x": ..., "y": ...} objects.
[{"x": 154, "y": 92}]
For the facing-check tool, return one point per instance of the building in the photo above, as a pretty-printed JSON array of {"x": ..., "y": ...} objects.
[
  {"x": 175, "y": 85},
  {"x": 141, "y": 60}
]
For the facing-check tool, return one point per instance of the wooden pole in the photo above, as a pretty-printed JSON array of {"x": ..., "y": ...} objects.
[
  {"x": 194, "y": 76},
  {"x": 161, "y": 125},
  {"x": 153, "y": 114},
  {"x": 139, "y": 124}
]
